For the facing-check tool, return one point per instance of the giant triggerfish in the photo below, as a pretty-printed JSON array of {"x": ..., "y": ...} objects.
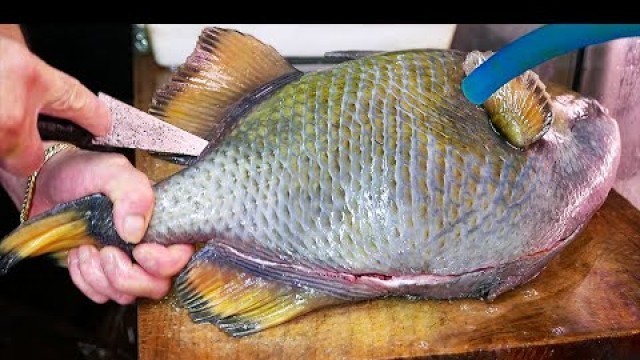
[{"x": 373, "y": 178}]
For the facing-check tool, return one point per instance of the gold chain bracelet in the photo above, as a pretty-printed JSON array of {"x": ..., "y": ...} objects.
[{"x": 31, "y": 181}]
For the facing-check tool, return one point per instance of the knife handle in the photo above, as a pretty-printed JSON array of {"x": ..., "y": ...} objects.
[
  {"x": 54, "y": 129},
  {"x": 62, "y": 130}
]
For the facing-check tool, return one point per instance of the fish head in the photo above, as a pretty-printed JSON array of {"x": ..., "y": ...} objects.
[
  {"x": 571, "y": 139},
  {"x": 582, "y": 147}
]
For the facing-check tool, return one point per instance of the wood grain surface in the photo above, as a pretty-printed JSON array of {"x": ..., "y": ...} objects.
[{"x": 584, "y": 305}]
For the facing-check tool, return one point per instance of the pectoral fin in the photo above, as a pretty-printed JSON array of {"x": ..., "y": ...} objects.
[{"x": 520, "y": 110}]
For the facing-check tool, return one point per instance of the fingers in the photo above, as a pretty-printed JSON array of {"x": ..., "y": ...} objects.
[
  {"x": 109, "y": 274},
  {"x": 91, "y": 269},
  {"x": 29, "y": 86},
  {"x": 12, "y": 31},
  {"x": 130, "y": 278},
  {"x": 80, "y": 173},
  {"x": 20, "y": 144},
  {"x": 78, "y": 280},
  {"x": 65, "y": 97},
  {"x": 161, "y": 261},
  {"x": 133, "y": 201}
]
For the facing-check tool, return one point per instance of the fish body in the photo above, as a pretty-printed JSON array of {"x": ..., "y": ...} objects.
[
  {"x": 380, "y": 166},
  {"x": 374, "y": 178}
]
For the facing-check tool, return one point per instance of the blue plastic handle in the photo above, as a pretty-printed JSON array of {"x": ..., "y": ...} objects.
[{"x": 535, "y": 48}]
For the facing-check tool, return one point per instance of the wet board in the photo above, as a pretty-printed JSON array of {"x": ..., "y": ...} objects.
[{"x": 586, "y": 304}]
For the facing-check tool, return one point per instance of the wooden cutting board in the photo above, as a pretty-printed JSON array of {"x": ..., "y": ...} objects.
[{"x": 584, "y": 305}]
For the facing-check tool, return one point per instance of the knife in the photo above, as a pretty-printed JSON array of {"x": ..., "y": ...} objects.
[{"x": 131, "y": 128}]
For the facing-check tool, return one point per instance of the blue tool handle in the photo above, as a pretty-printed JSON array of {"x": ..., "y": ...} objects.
[{"x": 535, "y": 48}]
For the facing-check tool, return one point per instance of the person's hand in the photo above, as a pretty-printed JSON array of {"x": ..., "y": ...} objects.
[
  {"x": 28, "y": 86},
  {"x": 109, "y": 273}
]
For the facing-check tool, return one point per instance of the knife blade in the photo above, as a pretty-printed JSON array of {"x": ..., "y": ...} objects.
[{"x": 130, "y": 128}]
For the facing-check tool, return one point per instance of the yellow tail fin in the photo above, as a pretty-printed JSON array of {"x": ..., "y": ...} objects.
[{"x": 84, "y": 221}]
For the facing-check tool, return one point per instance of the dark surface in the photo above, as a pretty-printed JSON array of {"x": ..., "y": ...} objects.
[{"x": 43, "y": 315}]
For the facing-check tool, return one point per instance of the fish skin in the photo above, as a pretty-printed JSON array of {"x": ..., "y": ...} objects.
[{"x": 377, "y": 177}]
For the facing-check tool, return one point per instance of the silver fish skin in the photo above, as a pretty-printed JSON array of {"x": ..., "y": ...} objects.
[{"x": 377, "y": 177}]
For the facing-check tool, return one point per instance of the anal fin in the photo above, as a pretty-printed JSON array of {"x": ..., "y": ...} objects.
[{"x": 240, "y": 302}]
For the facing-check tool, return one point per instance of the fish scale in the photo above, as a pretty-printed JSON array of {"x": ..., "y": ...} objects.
[{"x": 372, "y": 244}]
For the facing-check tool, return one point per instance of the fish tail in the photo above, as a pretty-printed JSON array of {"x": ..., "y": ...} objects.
[{"x": 87, "y": 220}]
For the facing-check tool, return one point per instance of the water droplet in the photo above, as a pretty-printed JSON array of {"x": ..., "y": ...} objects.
[{"x": 491, "y": 309}]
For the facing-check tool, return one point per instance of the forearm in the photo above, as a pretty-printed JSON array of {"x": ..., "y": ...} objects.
[{"x": 12, "y": 31}]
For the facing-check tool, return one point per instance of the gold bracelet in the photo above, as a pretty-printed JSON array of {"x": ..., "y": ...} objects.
[{"x": 31, "y": 181}]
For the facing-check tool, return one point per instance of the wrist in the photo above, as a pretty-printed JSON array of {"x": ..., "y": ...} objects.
[
  {"x": 23, "y": 192},
  {"x": 16, "y": 185},
  {"x": 29, "y": 203}
]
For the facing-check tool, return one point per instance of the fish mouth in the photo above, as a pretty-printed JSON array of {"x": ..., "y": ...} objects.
[{"x": 574, "y": 108}]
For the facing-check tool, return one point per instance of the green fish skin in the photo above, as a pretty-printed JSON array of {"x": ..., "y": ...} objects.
[{"x": 372, "y": 178}]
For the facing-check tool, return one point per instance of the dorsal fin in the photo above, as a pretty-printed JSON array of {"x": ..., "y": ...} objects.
[
  {"x": 225, "y": 66},
  {"x": 520, "y": 110}
]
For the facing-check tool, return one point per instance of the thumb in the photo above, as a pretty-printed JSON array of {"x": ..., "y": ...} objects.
[
  {"x": 65, "y": 97},
  {"x": 75, "y": 174},
  {"x": 133, "y": 202}
]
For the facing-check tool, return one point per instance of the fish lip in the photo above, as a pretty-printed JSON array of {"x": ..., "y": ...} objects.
[{"x": 576, "y": 109}]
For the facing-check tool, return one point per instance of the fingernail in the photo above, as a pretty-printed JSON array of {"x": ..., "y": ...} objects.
[
  {"x": 133, "y": 228},
  {"x": 146, "y": 256},
  {"x": 72, "y": 258},
  {"x": 83, "y": 253},
  {"x": 110, "y": 261},
  {"x": 178, "y": 250}
]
